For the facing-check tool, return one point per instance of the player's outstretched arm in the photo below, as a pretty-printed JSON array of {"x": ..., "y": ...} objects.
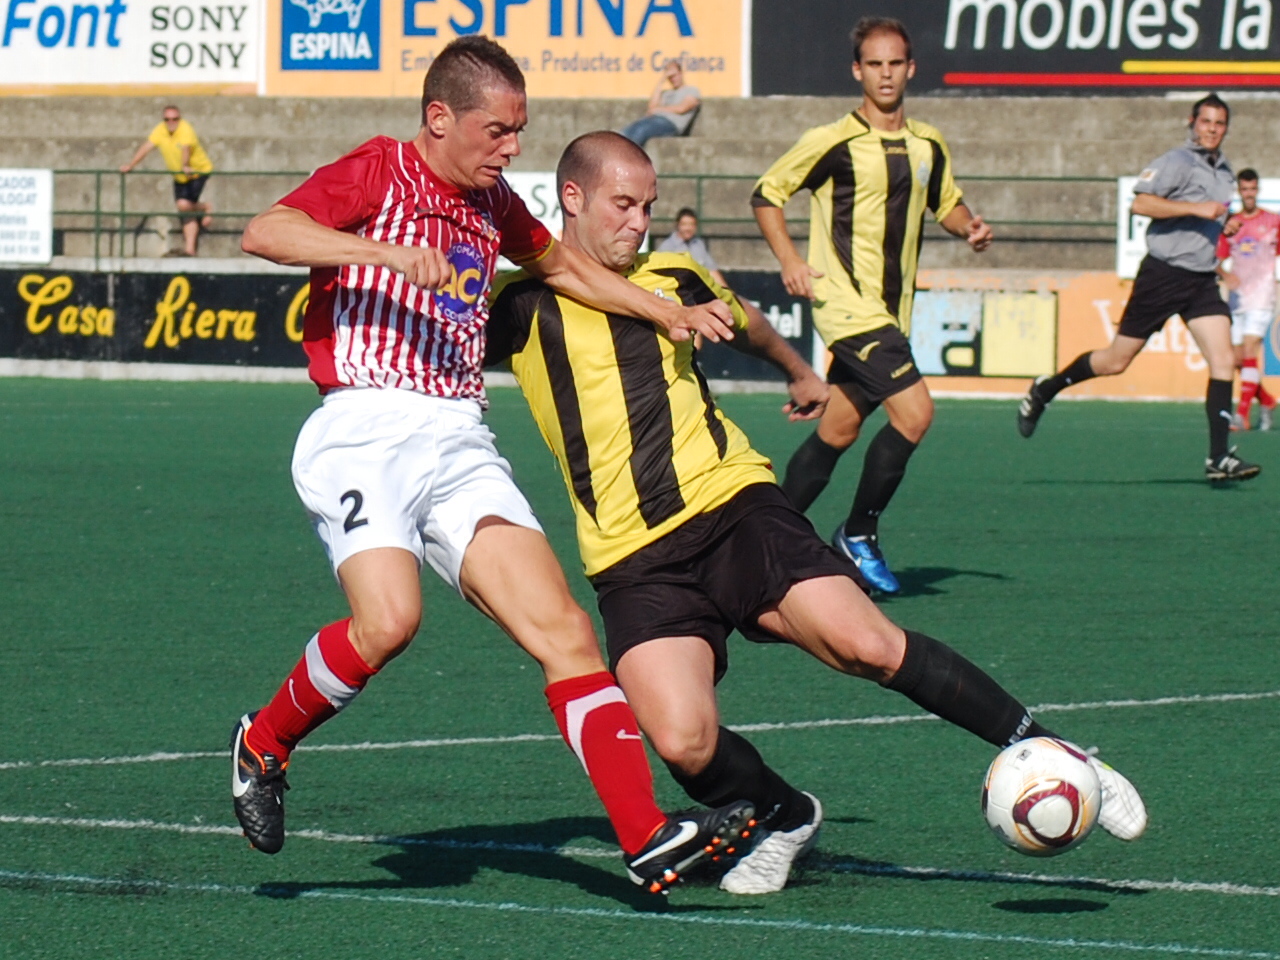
[
  {"x": 287, "y": 235},
  {"x": 797, "y": 275},
  {"x": 569, "y": 272},
  {"x": 1161, "y": 208},
  {"x": 809, "y": 392},
  {"x": 962, "y": 223}
]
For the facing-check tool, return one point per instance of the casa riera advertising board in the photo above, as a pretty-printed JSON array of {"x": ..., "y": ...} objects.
[
  {"x": 106, "y": 46},
  {"x": 567, "y": 48}
]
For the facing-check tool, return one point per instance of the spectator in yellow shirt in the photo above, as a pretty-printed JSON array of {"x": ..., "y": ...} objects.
[{"x": 190, "y": 166}]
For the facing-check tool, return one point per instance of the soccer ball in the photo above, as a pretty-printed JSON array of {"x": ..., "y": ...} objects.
[{"x": 1041, "y": 797}]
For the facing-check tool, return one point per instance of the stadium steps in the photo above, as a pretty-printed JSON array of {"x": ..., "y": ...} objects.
[{"x": 1063, "y": 136}]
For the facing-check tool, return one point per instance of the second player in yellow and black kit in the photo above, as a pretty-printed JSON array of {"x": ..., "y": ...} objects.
[
  {"x": 657, "y": 474},
  {"x": 871, "y": 189},
  {"x": 873, "y": 175}
]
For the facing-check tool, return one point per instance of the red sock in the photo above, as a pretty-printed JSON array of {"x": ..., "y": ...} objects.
[
  {"x": 596, "y": 721},
  {"x": 1265, "y": 398},
  {"x": 1250, "y": 383},
  {"x": 326, "y": 679}
]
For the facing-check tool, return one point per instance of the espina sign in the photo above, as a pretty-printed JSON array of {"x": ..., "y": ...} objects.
[
  {"x": 248, "y": 320},
  {"x": 566, "y": 48},
  {"x": 1029, "y": 46}
]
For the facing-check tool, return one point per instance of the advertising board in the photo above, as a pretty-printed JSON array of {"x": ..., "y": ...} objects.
[
  {"x": 566, "y": 48},
  {"x": 1028, "y": 46},
  {"x": 239, "y": 319},
  {"x": 26, "y": 216},
  {"x": 250, "y": 319},
  {"x": 64, "y": 45},
  {"x": 975, "y": 333}
]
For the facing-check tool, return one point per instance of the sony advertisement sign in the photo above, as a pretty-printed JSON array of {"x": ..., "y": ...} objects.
[
  {"x": 65, "y": 43},
  {"x": 1030, "y": 46}
]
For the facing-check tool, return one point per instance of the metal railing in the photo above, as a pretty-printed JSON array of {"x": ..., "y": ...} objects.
[
  {"x": 701, "y": 179},
  {"x": 112, "y": 219},
  {"x": 112, "y": 215}
]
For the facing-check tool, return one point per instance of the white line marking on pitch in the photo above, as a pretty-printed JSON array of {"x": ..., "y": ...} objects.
[
  {"x": 596, "y": 913},
  {"x": 833, "y": 864},
  {"x": 875, "y": 721}
]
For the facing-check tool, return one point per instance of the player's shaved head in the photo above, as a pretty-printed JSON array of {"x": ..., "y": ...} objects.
[
  {"x": 607, "y": 188},
  {"x": 465, "y": 70},
  {"x": 584, "y": 158}
]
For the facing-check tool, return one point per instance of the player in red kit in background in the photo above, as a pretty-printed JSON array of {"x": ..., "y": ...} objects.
[
  {"x": 1247, "y": 251},
  {"x": 397, "y": 468}
]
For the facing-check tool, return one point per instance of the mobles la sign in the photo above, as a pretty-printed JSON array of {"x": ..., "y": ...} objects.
[{"x": 1137, "y": 44}]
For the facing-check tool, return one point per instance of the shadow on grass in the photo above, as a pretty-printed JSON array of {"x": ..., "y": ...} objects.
[
  {"x": 1051, "y": 906},
  {"x": 543, "y": 850},
  {"x": 824, "y": 863},
  {"x": 920, "y": 581}
]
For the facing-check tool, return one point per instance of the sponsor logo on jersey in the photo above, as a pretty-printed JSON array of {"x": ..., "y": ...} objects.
[
  {"x": 331, "y": 35},
  {"x": 465, "y": 286}
]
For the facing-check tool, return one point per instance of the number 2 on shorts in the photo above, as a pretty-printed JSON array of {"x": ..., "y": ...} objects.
[{"x": 357, "y": 501}]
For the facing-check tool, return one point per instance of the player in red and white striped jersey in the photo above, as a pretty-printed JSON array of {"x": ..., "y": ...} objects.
[{"x": 396, "y": 467}]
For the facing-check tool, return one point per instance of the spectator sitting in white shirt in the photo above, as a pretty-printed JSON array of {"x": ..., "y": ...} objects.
[
  {"x": 670, "y": 112},
  {"x": 684, "y": 239}
]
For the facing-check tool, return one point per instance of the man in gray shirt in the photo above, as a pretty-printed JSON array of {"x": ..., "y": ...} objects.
[
  {"x": 1185, "y": 192},
  {"x": 671, "y": 109},
  {"x": 684, "y": 239}
]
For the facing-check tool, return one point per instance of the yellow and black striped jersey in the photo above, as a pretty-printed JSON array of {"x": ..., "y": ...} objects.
[
  {"x": 870, "y": 190},
  {"x": 626, "y": 411}
]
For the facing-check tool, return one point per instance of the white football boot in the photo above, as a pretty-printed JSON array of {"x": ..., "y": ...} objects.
[
  {"x": 767, "y": 867},
  {"x": 1122, "y": 813}
]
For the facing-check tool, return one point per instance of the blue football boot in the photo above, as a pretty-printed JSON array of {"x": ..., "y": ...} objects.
[{"x": 866, "y": 555}]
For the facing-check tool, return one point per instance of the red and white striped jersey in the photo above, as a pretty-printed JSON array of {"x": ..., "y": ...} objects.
[{"x": 369, "y": 326}]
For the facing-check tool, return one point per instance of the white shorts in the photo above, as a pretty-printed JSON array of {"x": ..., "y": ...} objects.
[
  {"x": 1250, "y": 323},
  {"x": 394, "y": 468}
]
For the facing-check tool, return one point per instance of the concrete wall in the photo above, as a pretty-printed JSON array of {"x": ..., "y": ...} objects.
[{"x": 1062, "y": 136}]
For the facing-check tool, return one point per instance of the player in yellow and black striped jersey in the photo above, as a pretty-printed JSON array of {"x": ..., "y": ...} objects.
[
  {"x": 626, "y": 411},
  {"x": 873, "y": 174},
  {"x": 697, "y": 538}
]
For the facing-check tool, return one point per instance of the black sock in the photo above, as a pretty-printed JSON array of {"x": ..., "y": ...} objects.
[
  {"x": 809, "y": 471},
  {"x": 1078, "y": 371},
  {"x": 738, "y": 772},
  {"x": 1217, "y": 406},
  {"x": 882, "y": 470},
  {"x": 937, "y": 678}
]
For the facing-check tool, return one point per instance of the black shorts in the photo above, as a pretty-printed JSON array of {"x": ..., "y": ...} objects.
[
  {"x": 715, "y": 573},
  {"x": 1160, "y": 291},
  {"x": 190, "y": 190},
  {"x": 879, "y": 363}
]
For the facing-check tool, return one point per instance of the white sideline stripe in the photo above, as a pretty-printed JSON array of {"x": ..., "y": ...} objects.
[
  {"x": 1038, "y": 708},
  {"x": 595, "y": 913},
  {"x": 829, "y": 863},
  {"x": 163, "y": 756}
]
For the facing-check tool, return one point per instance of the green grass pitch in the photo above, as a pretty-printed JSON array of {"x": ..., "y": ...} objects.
[{"x": 157, "y": 578}]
